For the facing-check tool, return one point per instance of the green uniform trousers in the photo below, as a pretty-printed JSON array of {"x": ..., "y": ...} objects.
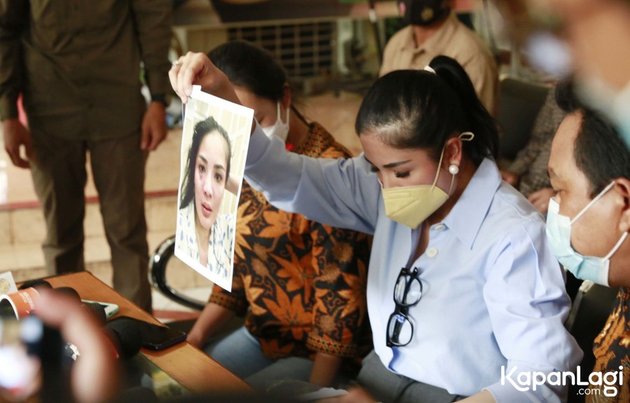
[{"x": 59, "y": 176}]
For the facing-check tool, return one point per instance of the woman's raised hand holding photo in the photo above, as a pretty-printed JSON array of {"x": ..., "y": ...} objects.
[{"x": 196, "y": 69}]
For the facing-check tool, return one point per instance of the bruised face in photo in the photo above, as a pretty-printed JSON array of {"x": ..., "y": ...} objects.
[{"x": 211, "y": 166}]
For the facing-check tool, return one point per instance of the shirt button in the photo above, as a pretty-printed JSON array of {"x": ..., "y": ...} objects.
[
  {"x": 432, "y": 252},
  {"x": 439, "y": 227}
]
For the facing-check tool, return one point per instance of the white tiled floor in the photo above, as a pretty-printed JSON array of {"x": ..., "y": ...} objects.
[
  {"x": 335, "y": 113},
  {"x": 22, "y": 225}
]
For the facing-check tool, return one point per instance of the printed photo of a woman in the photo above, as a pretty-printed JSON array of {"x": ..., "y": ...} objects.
[{"x": 203, "y": 233}]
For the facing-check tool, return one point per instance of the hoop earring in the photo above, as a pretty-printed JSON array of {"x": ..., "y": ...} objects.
[{"x": 453, "y": 169}]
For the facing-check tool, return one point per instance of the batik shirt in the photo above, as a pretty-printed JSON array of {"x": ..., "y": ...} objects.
[
  {"x": 300, "y": 284},
  {"x": 611, "y": 352}
]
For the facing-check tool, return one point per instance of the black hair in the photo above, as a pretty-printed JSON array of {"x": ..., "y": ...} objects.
[
  {"x": 252, "y": 67},
  {"x": 425, "y": 12},
  {"x": 202, "y": 129},
  {"x": 422, "y": 109},
  {"x": 599, "y": 151}
]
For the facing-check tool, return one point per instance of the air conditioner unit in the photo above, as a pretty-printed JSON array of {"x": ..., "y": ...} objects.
[
  {"x": 310, "y": 49},
  {"x": 305, "y": 49}
]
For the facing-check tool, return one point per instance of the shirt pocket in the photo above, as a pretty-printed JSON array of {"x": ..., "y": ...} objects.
[
  {"x": 103, "y": 14},
  {"x": 78, "y": 15},
  {"x": 50, "y": 13}
]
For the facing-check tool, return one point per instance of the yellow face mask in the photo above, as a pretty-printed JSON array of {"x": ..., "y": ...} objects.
[{"x": 411, "y": 205}]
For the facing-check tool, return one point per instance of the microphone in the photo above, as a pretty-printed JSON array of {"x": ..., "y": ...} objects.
[
  {"x": 31, "y": 286},
  {"x": 39, "y": 283},
  {"x": 97, "y": 309},
  {"x": 21, "y": 303},
  {"x": 126, "y": 336},
  {"x": 126, "y": 339}
]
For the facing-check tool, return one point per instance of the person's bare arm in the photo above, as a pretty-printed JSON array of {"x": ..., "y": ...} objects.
[
  {"x": 355, "y": 394},
  {"x": 152, "y": 27},
  {"x": 197, "y": 69},
  {"x": 325, "y": 369},
  {"x": 212, "y": 319}
]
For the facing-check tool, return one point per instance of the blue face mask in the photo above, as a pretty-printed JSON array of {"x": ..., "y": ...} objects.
[{"x": 590, "y": 268}]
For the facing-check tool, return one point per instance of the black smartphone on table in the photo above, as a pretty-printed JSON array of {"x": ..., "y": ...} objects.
[{"x": 154, "y": 337}]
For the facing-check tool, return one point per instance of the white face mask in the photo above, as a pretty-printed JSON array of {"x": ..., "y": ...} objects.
[
  {"x": 279, "y": 129},
  {"x": 558, "y": 229}
]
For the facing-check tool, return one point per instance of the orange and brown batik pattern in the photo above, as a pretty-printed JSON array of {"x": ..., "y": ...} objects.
[
  {"x": 611, "y": 349},
  {"x": 300, "y": 284}
]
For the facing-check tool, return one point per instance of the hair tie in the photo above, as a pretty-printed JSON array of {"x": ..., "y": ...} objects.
[{"x": 429, "y": 69}]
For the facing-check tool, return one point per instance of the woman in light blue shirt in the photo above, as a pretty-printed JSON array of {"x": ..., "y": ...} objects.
[{"x": 465, "y": 298}]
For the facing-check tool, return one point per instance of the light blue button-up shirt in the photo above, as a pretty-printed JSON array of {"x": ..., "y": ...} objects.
[{"x": 493, "y": 295}]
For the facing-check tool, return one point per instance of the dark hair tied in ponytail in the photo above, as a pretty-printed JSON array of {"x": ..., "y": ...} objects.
[
  {"x": 423, "y": 109},
  {"x": 477, "y": 117}
]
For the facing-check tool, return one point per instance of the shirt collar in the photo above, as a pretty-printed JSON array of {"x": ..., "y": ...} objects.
[{"x": 471, "y": 209}]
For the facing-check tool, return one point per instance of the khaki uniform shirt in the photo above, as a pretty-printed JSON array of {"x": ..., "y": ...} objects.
[
  {"x": 455, "y": 40},
  {"x": 77, "y": 63}
]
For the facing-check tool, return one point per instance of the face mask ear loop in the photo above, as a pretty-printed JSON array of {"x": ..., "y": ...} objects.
[
  {"x": 278, "y": 116},
  {"x": 595, "y": 199},
  {"x": 617, "y": 246},
  {"x": 465, "y": 136},
  {"x": 450, "y": 188},
  {"x": 288, "y": 115},
  {"x": 439, "y": 168}
]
